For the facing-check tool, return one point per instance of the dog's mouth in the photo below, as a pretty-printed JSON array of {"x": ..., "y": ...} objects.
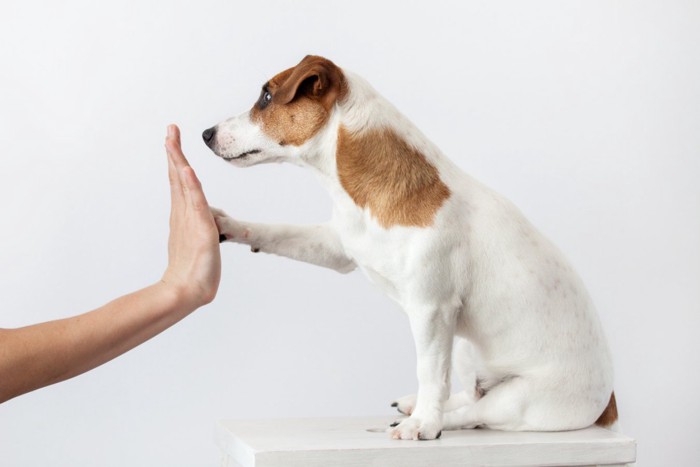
[{"x": 241, "y": 155}]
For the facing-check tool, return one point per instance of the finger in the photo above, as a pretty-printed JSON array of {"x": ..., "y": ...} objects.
[
  {"x": 172, "y": 144},
  {"x": 176, "y": 194},
  {"x": 197, "y": 199},
  {"x": 186, "y": 192}
]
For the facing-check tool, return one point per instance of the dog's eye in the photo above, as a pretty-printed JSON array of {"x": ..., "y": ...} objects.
[{"x": 265, "y": 98}]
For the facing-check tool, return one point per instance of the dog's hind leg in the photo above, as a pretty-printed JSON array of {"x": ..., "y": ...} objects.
[
  {"x": 502, "y": 408},
  {"x": 526, "y": 403},
  {"x": 315, "y": 244},
  {"x": 407, "y": 404},
  {"x": 464, "y": 365}
]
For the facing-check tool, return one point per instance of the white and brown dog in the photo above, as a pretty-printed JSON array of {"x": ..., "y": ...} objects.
[{"x": 477, "y": 281}]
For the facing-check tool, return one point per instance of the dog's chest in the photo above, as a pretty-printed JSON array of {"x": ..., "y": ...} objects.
[{"x": 384, "y": 255}]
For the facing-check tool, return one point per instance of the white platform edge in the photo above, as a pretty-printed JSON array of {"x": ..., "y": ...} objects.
[{"x": 323, "y": 442}]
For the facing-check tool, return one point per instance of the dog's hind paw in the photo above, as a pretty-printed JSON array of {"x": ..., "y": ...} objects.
[{"x": 405, "y": 404}]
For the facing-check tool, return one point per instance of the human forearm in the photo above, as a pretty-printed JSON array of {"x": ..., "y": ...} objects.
[
  {"x": 46, "y": 353},
  {"x": 43, "y": 354}
]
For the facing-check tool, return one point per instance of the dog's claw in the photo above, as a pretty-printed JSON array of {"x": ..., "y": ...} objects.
[
  {"x": 394, "y": 424},
  {"x": 254, "y": 249},
  {"x": 394, "y": 404}
]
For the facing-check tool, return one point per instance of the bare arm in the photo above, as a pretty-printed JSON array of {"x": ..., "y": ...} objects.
[{"x": 36, "y": 356}]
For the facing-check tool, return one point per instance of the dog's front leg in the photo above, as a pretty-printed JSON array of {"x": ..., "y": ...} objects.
[
  {"x": 433, "y": 331},
  {"x": 315, "y": 244}
]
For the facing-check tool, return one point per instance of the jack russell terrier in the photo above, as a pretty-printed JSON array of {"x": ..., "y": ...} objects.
[{"x": 478, "y": 282}]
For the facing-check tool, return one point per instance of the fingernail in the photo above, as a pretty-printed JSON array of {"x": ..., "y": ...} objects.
[{"x": 171, "y": 130}]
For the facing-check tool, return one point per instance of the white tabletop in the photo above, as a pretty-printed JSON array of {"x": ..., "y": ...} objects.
[{"x": 330, "y": 442}]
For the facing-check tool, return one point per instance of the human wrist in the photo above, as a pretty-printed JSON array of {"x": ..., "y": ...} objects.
[
  {"x": 177, "y": 295},
  {"x": 187, "y": 293}
]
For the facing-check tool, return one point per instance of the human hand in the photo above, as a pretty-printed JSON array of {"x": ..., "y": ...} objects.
[{"x": 194, "y": 259}]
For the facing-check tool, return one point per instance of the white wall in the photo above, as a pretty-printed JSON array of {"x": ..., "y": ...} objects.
[{"x": 586, "y": 114}]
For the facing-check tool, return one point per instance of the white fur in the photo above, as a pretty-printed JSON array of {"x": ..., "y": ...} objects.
[{"x": 480, "y": 276}]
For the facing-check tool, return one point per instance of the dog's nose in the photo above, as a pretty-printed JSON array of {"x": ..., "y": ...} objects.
[{"x": 208, "y": 135}]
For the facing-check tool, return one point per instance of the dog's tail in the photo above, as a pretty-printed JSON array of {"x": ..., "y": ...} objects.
[{"x": 608, "y": 419}]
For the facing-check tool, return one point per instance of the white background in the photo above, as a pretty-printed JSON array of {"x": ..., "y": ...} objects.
[{"x": 585, "y": 114}]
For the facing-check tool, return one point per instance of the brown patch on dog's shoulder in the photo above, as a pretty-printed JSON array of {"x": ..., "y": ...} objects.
[
  {"x": 609, "y": 415},
  {"x": 383, "y": 173},
  {"x": 302, "y": 99}
]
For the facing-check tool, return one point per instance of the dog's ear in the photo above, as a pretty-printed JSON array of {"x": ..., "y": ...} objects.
[{"x": 315, "y": 77}]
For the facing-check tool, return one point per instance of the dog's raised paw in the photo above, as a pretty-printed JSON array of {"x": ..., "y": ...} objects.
[{"x": 229, "y": 228}]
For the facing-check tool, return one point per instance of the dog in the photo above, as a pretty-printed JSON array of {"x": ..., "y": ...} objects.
[{"x": 480, "y": 285}]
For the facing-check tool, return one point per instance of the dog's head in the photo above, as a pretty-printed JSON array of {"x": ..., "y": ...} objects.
[{"x": 293, "y": 107}]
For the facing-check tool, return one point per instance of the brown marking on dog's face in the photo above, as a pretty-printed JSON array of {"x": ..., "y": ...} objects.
[
  {"x": 297, "y": 102},
  {"x": 381, "y": 172},
  {"x": 609, "y": 415}
]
